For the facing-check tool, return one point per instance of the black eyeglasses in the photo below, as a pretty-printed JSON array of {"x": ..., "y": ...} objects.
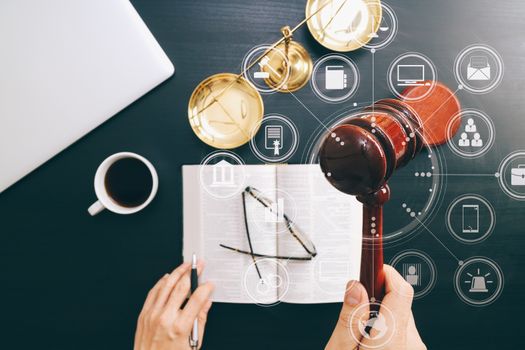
[{"x": 303, "y": 240}]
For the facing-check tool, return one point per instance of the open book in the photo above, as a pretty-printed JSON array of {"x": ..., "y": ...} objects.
[{"x": 330, "y": 219}]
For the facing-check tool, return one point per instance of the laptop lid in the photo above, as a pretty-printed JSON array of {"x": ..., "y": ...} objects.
[{"x": 66, "y": 67}]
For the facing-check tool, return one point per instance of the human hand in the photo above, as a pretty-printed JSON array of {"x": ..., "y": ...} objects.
[
  {"x": 397, "y": 314},
  {"x": 162, "y": 324}
]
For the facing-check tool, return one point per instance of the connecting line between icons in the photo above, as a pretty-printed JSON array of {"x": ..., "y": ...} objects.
[
  {"x": 437, "y": 109},
  {"x": 468, "y": 175},
  {"x": 437, "y": 239},
  {"x": 309, "y": 111},
  {"x": 373, "y": 99}
]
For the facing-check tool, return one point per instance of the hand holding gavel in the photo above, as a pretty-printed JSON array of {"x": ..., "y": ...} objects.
[{"x": 360, "y": 155}]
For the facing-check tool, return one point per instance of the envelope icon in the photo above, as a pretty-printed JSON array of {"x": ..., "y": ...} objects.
[
  {"x": 518, "y": 176},
  {"x": 478, "y": 68}
]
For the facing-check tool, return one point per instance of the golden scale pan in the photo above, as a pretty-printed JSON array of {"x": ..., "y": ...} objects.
[{"x": 225, "y": 110}]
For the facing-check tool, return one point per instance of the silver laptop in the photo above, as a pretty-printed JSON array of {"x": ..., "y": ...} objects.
[{"x": 66, "y": 67}]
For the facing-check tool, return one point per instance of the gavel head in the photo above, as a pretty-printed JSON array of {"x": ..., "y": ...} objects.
[{"x": 361, "y": 153}]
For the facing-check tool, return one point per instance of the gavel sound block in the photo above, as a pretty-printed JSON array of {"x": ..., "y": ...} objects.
[{"x": 361, "y": 154}]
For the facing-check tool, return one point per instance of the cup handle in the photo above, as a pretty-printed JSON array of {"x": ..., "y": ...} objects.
[{"x": 96, "y": 208}]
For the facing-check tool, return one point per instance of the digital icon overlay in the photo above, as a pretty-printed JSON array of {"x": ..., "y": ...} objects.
[
  {"x": 378, "y": 327},
  {"x": 258, "y": 68},
  {"x": 387, "y": 29},
  {"x": 418, "y": 269},
  {"x": 269, "y": 289},
  {"x": 479, "y": 69},
  {"x": 411, "y": 70},
  {"x": 475, "y": 136},
  {"x": 470, "y": 218},
  {"x": 511, "y": 175},
  {"x": 220, "y": 175},
  {"x": 275, "y": 139},
  {"x": 478, "y": 281},
  {"x": 271, "y": 219},
  {"x": 335, "y": 78}
]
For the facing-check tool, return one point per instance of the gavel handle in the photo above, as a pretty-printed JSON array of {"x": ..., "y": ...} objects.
[{"x": 372, "y": 275}]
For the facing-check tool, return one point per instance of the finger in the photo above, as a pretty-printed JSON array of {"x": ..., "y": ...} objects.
[
  {"x": 414, "y": 340},
  {"x": 394, "y": 313},
  {"x": 347, "y": 334},
  {"x": 203, "y": 316},
  {"x": 197, "y": 302},
  {"x": 181, "y": 290},
  {"x": 200, "y": 266},
  {"x": 398, "y": 298},
  {"x": 152, "y": 295},
  {"x": 168, "y": 285}
]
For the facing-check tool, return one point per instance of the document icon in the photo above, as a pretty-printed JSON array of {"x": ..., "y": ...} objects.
[
  {"x": 478, "y": 68},
  {"x": 335, "y": 78},
  {"x": 273, "y": 135},
  {"x": 518, "y": 176}
]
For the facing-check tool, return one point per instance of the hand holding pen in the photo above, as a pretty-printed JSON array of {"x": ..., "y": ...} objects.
[{"x": 163, "y": 324}]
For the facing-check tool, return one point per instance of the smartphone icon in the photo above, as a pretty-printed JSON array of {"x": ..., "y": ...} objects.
[{"x": 470, "y": 218}]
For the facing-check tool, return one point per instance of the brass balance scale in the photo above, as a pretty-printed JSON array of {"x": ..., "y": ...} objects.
[{"x": 225, "y": 110}]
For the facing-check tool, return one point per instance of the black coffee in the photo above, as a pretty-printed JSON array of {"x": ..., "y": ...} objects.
[{"x": 129, "y": 182}]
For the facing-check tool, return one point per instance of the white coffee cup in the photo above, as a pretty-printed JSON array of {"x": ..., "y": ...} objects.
[{"x": 104, "y": 199}]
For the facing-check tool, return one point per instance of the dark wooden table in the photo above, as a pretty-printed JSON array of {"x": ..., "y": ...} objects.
[{"x": 70, "y": 281}]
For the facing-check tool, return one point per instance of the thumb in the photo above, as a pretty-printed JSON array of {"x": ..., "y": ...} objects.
[{"x": 346, "y": 334}]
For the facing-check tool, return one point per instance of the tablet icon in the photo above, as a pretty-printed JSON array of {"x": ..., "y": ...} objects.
[{"x": 470, "y": 218}]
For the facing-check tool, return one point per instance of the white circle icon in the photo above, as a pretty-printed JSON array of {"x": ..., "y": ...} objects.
[
  {"x": 418, "y": 269},
  {"x": 471, "y": 133},
  {"x": 478, "y": 281},
  {"x": 222, "y": 174},
  {"x": 266, "y": 282},
  {"x": 471, "y": 219},
  {"x": 268, "y": 212},
  {"x": 478, "y": 69},
  {"x": 335, "y": 78},
  {"x": 264, "y": 64},
  {"x": 412, "y": 71},
  {"x": 375, "y": 329},
  {"x": 387, "y": 29},
  {"x": 274, "y": 139},
  {"x": 511, "y": 175}
]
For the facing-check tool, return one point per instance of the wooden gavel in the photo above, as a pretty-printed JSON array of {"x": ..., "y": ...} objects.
[{"x": 360, "y": 154}]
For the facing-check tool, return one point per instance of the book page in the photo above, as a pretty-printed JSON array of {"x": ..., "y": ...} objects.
[
  {"x": 211, "y": 221},
  {"x": 333, "y": 222}
]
